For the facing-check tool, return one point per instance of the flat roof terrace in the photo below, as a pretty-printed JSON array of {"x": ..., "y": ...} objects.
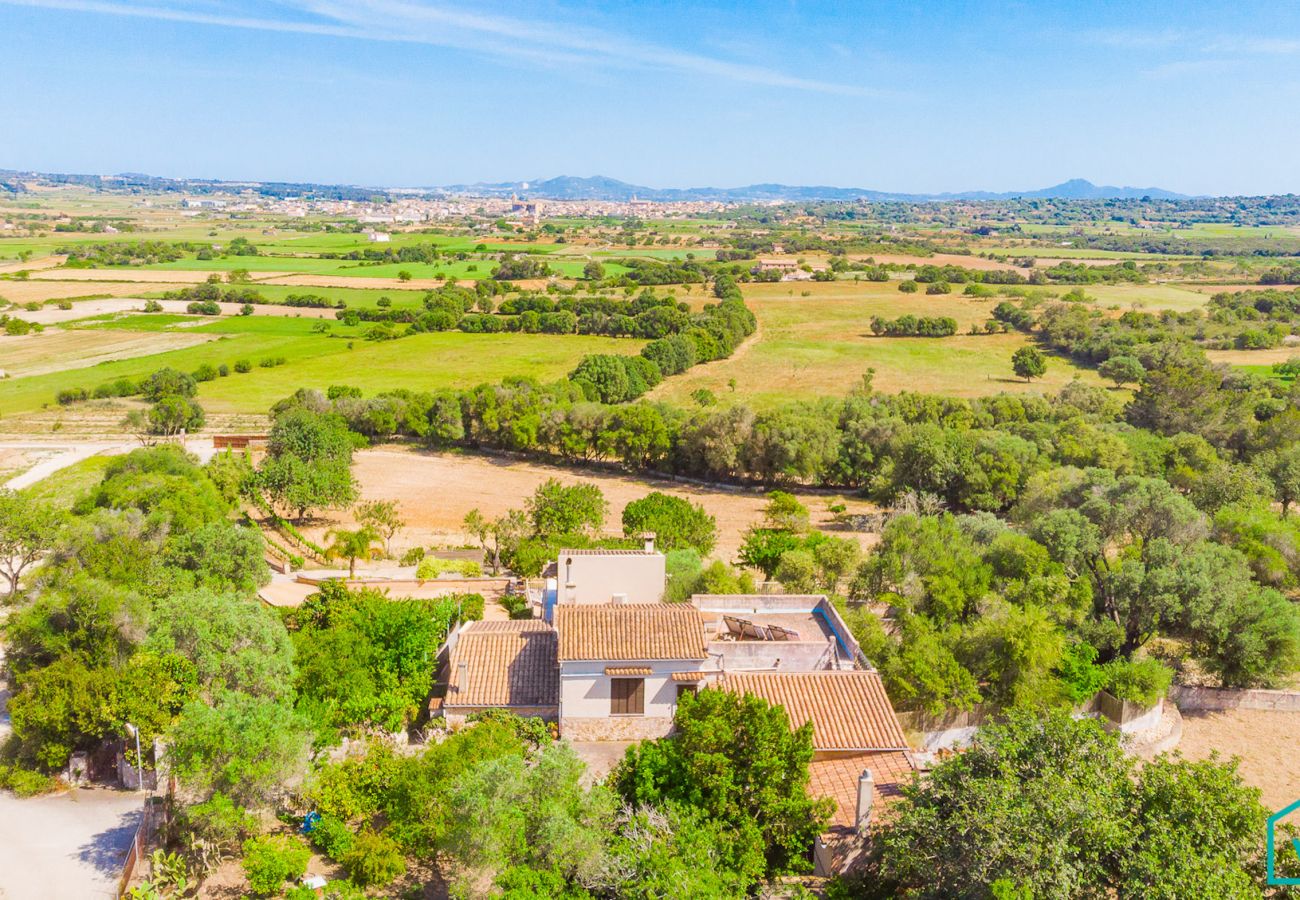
[{"x": 770, "y": 625}]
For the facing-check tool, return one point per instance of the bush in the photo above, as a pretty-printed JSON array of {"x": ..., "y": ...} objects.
[
  {"x": 1142, "y": 681},
  {"x": 431, "y": 567},
  {"x": 69, "y": 396},
  {"x": 270, "y": 362},
  {"x": 412, "y": 556},
  {"x": 242, "y": 366},
  {"x": 271, "y": 861},
  {"x": 332, "y": 835},
  {"x": 471, "y": 607},
  {"x": 205, "y": 372},
  {"x": 223, "y": 370},
  {"x": 26, "y": 783},
  {"x": 374, "y": 860}
]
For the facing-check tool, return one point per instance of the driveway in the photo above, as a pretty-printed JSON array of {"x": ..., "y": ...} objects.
[{"x": 64, "y": 847}]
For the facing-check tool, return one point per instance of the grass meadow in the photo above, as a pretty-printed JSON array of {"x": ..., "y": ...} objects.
[
  {"x": 821, "y": 344},
  {"x": 418, "y": 362}
]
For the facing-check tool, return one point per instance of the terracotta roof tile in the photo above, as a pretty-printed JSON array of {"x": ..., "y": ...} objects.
[
  {"x": 510, "y": 663},
  {"x": 849, "y": 710},
  {"x": 838, "y": 779},
  {"x": 629, "y": 631}
]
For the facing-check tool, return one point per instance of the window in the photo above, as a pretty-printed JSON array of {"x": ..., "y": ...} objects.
[
  {"x": 685, "y": 689},
  {"x": 627, "y": 696}
]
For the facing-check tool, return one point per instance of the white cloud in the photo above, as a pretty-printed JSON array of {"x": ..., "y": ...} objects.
[{"x": 443, "y": 26}]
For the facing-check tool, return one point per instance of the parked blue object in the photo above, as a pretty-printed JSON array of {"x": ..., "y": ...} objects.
[{"x": 310, "y": 821}]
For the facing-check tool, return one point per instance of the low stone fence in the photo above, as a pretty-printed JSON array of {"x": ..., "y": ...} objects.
[
  {"x": 955, "y": 730},
  {"x": 1191, "y": 699}
]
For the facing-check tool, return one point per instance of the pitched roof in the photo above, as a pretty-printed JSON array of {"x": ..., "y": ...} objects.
[
  {"x": 629, "y": 631},
  {"x": 508, "y": 664},
  {"x": 849, "y": 709},
  {"x": 838, "y": 779}
]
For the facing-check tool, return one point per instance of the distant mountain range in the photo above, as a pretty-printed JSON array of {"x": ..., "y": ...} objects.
[
  {"x": 569, "y": 187},
  {"x": 600, "y": 187}
]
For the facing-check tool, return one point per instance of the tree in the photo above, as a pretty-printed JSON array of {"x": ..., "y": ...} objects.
[
  {"x": 1122, "y": 370},
  {"x": 383, "y": 517},
  {"x": 797, "y": 571},
  {"x": 351, "y": 545},
  {"x": 785, "y": 513},
  {"x": 1282, "y": 469},
  {"x": 308, "y": 462},
  {"x": 835, "y": 557},
  {"x": 168, "y": 383},
  {"x": 28, "y": 530},
  {"x": 174, "y": 415},
  {"x": 243, "y": 746},
  {"x": 763, "y": 548},
  {"x": 735, "y": 760},
  {"x": 555, "y": 508},
  {"x": 676, "y": 523},
  {"x": 593, "y": 271},
  {"x": 1044, "y": 805},
  {"x": 500, "y": 536},
  {"x": 234, "y": 643},
  {"x": 1028, "y": 363}
]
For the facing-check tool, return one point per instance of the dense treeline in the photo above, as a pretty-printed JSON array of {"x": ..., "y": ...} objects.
[
  {"x": 212, "y": 291},
  {"x": 911, "y": 326},
  {"x": 124, "y": 253}
]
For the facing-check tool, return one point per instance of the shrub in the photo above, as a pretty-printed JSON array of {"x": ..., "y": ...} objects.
[
  {"x": 332, "y": 835},
  {"x": 431, "y": 567},
  {"x": 1142, "y": 681},
  {"x": 26, "y": 783},
  {"x": 412, "y": 556},
  {"x": 271, "y": 861},
  {"x": 270, "y": 362},
  {"x": 223, "y": 370},
  {"x": 471, "y": 607},
  {"x": 374, "y": 859},
  {"x": 69, "y": 396},
  {"x": 152, "y": 306},
  {"x": 243, "y": 365},
  {"x": 205, "y": 372}
]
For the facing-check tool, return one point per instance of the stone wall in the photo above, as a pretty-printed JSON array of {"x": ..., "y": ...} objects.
[
  {"x": 1207, "y": 698},
  {"x": 456, "y": 716},
  {"x": 615, "y": 728}
]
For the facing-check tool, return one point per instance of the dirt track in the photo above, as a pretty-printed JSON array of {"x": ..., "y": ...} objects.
[{"x": 435, "y": 492}]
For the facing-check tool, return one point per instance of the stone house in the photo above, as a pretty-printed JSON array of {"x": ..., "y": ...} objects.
[{"x": 502, "y": 665}]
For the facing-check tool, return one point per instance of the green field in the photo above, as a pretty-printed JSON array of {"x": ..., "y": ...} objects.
[
  {"x": 821, "y": 345},
  {"x": 418, "y": 362}
]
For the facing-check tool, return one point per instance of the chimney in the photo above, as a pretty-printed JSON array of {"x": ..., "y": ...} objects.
[
  {"x": 462, "y": 680},
  {"x": 865, "y": 798},
  {"x": 649, "y": 539}
]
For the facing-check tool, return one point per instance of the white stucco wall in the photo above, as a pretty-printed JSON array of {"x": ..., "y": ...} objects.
[
  {"x": 598, "y": 578},
  {"x": 585, "y": 699}
]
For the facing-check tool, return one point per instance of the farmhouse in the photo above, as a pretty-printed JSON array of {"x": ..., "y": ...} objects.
[
  {"x": 609, "y": 662},
  {"x": 775, "y": 265}
]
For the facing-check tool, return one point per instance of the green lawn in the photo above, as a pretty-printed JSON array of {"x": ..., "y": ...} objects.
[
  {"x": 418, "y": 362},
  {"x": 65, "y": 486}
]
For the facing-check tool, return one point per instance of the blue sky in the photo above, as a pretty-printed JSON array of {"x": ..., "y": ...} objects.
[{"x": 1191, "y": 96}]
